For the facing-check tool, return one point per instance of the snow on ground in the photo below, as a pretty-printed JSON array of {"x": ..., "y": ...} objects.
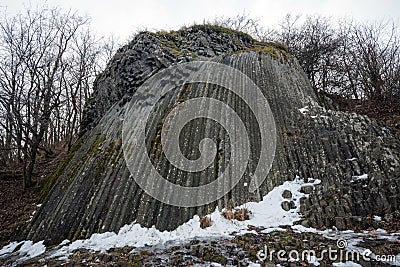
[
  {"x": 360, "y": 177},
  {"x": 350, "y": 236},
  {"x": 318, "y": 116},
  {"x": 313, "y": 260},
  {"x": 273, "y": 229},
  {"x": 350, "y": 241},
  {"x": 211, "y": 264},
  {"x": 252, "y": 264},
  {"x": 27, "y": 249},
  {"x": 304, "y": 110},
  {"x": 346, "y": 264},
  {"x": 266, "y": 213}
]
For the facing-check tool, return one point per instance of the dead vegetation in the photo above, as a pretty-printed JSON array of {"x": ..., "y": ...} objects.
[
  {"x": 16, "y": 205},
  {"x": 386, "y": 112},
  {"x": 242, "y": 214},
  {"x": 205, "y": 221},
  {"x": 228, "y": 214}
]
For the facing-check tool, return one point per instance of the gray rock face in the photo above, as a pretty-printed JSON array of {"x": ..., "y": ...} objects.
[
  {"x": 147, "y": 53},
  {"x": 287, "y": 194},
  {"x": 93, "y": 192},
  {"x": 285, "y": 205}
]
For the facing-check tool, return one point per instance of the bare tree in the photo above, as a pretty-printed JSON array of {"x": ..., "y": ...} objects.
[
  {"x": 375, "y": 53},
  {"x": 241, "y": 22},
  {"x": 315, "y": 44},
  {"x": 287, "y": 32},
  {"x": 355, "y": 61},
  {"x": 45, "y": 62},
  {"x": 83, "y": 62},
  {"x": 109, "y": 46}
]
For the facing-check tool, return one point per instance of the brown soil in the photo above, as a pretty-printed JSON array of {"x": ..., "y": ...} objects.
[{"x": 17, "y": 205}]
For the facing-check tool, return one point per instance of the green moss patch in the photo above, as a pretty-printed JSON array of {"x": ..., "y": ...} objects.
[{"x": 50, "y": 180}]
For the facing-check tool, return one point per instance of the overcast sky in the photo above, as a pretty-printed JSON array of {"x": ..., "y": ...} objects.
[{"x": 123, "y": 17}]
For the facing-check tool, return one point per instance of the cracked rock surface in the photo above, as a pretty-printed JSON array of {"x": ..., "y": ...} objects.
[{"x": 356, "y": 159}]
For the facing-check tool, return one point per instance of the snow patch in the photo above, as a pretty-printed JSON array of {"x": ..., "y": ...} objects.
[
  {"x": 64, "y": 242},
  {"x": 273, "y": 229},
  {"x": 266, "y": 213},
  {"x": 318, "y": 116},
  {"x": 353, "y": 240},
  {"x": 313, "y": 260},
  {"x": 377, "y": 218},
  {"x": 27, "y": 250},
  {"x": 304, "y": 110},
  {"x": 360, "y": 177},
  {"x": 346, "y": 264}
]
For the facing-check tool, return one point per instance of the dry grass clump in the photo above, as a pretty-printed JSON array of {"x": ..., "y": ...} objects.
[
  {"x": 241, "y": 214},
  {"x": 205, "y": 222},
  {"x": 228, "y": 214}
]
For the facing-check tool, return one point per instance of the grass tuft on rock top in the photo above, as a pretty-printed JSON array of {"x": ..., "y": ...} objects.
[{"x": 206, "y": 28}]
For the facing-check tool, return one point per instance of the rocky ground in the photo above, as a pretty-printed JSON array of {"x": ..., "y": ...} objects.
[
  {"x": 240, "y": 250},
  {"x": 16, "y": 208}
]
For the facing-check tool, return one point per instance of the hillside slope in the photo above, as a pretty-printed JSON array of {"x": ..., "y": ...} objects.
[{"x": 356, "y": 159}]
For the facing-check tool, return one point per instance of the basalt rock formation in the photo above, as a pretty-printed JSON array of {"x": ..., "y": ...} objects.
[{"x": 356, "y": 159}]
